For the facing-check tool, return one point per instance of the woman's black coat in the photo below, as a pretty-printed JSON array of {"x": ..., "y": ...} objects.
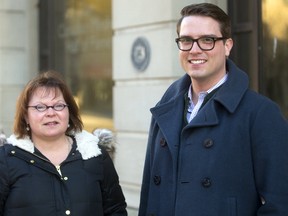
[{"x": 85, "y": 184}]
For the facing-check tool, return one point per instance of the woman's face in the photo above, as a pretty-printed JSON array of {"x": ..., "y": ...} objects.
[{"x": 49, "y": 124}]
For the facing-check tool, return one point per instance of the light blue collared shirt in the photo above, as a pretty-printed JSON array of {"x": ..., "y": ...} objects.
[{"x": 194, "y": 108}]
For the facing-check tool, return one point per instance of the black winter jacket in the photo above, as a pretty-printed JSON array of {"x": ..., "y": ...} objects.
[{"x": 85, "y": 184}]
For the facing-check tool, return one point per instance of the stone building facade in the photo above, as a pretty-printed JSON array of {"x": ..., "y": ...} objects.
[{"x": 144, "y": 63}]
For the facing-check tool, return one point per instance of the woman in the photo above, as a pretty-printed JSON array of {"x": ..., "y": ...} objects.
[{"x": 50, "y": 166}]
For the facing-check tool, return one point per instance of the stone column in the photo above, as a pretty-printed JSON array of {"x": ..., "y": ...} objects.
[
  {"x": 145, "y": 62},
  {"x": 18, "y": 53}
]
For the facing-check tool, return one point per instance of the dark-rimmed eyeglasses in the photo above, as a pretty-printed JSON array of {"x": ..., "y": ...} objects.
[
  {"x": 43, "y": 107},
  {"x": 204, "y": 43}
]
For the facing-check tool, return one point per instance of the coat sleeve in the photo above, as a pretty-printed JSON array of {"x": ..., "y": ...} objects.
[
  {"x": 270, "y": 154},
  {"x": 4, "y": 186},
  {"x": 113, "y": 199}
]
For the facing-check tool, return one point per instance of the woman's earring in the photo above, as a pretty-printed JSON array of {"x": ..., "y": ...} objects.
[
  {"x": 27, "y": 127},
  {"x": 68, "y": 125}
]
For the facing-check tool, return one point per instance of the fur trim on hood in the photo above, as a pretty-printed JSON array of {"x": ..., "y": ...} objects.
[{"x": 87, "y": 144}]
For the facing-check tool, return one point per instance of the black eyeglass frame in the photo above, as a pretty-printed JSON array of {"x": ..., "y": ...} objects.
[
  {"x": 214, "y": 39},
  {"x": 39, "y": 106}
]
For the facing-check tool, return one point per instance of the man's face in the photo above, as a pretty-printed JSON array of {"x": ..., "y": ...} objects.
[{"x": 204, "y": 67}]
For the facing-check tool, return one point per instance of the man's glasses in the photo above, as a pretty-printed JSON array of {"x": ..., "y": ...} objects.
[
  {"x": 204, "y": 43},
  {"x": 43, "y": 107}
]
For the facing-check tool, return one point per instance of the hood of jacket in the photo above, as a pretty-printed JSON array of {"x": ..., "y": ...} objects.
[{"x": 87, "y": 144}]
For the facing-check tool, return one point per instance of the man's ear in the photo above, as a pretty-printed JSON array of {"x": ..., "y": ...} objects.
[{"x": 228, "y": 46}]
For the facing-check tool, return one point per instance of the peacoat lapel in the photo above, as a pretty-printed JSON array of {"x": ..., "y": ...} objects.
[{"x": 169, "y": 118}]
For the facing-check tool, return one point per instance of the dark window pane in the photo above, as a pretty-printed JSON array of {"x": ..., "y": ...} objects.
[
  {"x": 275, "y": 51},
  {"x": 76, "y": 39}
]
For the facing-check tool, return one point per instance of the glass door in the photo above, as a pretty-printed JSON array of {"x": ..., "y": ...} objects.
[
  {"x": 275, "y": 51},
  {"x": 76, "y": 40}
]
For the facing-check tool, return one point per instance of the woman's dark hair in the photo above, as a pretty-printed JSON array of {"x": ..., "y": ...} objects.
[
  {"x": 207, "y": 10},
  {"x": 50, "y": 80}
]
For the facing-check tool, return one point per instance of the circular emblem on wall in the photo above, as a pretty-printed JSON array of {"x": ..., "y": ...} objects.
[{"x": 140, "y": 53}]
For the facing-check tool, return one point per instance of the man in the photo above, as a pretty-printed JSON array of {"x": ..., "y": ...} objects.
[{"x": 215, "y": 147}]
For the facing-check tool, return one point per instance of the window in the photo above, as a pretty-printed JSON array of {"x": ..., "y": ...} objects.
[
  {"x": 275, "y": 51},
  {"x": 76, "y": 40},
  {"x": 244, "y": 19},
  {"x": 260, "y": 31}
]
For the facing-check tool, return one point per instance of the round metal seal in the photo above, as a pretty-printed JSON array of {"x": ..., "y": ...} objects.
[{"x": 140, "y": 54}]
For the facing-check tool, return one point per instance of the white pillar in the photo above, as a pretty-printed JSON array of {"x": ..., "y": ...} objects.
[
  {"x": 137, "y": 90},
  {"x": 18, "y": 53}
]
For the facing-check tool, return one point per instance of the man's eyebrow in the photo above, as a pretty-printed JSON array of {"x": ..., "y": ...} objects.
[{"x": 202, "y": 36}]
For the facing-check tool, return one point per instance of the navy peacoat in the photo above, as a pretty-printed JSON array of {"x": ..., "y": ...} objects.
[{"x": 230, "y": 160}]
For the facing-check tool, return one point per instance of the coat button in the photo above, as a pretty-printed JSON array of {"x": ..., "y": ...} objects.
[
  {"x": 208, "y": 143},
  {"x": 163, "y": 142},
  {"x": 157, "y": 179},
  {"x": 206, "y": 182}
]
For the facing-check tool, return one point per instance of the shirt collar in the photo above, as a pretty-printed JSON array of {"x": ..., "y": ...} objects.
[{"x": 190, "y": 96}]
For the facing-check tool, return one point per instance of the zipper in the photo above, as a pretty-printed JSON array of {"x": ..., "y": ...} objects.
[{"x": 58, "y": 169}]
